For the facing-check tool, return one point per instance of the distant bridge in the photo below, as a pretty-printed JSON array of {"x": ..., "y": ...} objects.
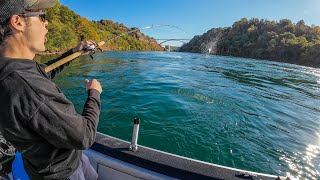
[{"x": 184, "y": 41}]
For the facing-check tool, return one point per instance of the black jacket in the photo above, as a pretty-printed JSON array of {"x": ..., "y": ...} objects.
[{"x": 41, "y": 122}]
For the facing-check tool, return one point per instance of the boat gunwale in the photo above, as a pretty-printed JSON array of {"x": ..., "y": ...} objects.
[{"x": 170, "y": 164}]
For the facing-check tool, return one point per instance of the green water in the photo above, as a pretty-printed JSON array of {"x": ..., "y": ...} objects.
[{"x": 255, "y": 115}]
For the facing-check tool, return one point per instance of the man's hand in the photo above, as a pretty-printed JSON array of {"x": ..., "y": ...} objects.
[
  {"x": 93, "y": 84},
  {"x": 83, "y": 45}
]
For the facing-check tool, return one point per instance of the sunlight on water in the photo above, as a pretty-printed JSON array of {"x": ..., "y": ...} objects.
[
  {"x": 302, "y": 164},
  {"x": 313, "y": 72}
]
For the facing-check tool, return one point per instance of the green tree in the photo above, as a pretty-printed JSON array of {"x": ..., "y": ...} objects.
[{"x": 66, "y": 28}]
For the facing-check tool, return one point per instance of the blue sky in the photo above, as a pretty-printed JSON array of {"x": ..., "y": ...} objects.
[{"x": 193, "y": 16}]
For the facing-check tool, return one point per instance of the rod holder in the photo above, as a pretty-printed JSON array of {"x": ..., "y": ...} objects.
[{"x": 135, "y": 133}]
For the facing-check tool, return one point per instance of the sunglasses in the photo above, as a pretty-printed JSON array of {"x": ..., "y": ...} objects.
[{"x": 41, "y": 15}]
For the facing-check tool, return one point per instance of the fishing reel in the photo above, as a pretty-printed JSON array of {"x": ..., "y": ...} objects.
[
  {"x": 7, "y": 154},
  {"x": 6, "y": 149},
  {"x": 92, "y": 48}
]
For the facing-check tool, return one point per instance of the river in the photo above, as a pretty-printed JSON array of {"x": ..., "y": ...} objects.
[{"x": 250, "y": 114}]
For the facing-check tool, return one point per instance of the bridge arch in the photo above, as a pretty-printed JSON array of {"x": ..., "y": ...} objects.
[
  {"x": 173, "y": 40},
  {"x": 184, "y": 41}
]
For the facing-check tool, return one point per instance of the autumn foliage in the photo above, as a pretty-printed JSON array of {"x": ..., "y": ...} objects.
[{"x": 66, "y": 29}]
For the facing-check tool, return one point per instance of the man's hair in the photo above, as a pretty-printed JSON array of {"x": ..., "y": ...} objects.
[{"x": 5, "y": 31}]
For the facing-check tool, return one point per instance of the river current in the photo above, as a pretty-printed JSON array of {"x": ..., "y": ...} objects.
[{"x": 250, "y": 114}]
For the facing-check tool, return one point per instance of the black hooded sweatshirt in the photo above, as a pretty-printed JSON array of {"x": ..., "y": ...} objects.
[{"x": 41, "y": 122}]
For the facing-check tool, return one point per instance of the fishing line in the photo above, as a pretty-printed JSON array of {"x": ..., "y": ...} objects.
[
  {"x": 93, "y": 48},
  {"x": 139, "y": 29}
]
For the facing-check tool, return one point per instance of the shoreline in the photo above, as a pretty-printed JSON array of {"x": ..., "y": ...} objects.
[{"x": 50, "y": 53}]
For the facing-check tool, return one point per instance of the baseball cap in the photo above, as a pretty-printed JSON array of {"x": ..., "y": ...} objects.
[{"x": 9, "y": 8}]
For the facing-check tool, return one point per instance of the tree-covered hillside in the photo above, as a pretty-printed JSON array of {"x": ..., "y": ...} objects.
[
  {"x": 282, "y": 41},
  {"x": 66, "y": 29}
]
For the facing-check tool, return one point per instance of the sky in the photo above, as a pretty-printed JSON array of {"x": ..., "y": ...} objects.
[{"x": 195, "y": 17}]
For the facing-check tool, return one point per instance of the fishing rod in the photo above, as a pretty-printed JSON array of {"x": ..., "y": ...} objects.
[{"x": 93, "y": 48}]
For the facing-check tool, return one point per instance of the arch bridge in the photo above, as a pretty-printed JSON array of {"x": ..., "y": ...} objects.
[{"x": 184, "y": 41}]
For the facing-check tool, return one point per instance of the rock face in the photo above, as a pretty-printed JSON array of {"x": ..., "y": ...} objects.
[{"x": 207, "y": 43}]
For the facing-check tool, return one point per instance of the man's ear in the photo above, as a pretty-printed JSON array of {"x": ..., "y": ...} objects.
[{"x": 17, "y": 23}]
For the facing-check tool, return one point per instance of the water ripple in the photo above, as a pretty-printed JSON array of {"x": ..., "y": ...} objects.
[{"x": 250, "y": 114}]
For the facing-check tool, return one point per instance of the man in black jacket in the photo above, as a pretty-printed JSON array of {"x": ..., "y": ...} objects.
[{"x": 35, "y": 116}]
